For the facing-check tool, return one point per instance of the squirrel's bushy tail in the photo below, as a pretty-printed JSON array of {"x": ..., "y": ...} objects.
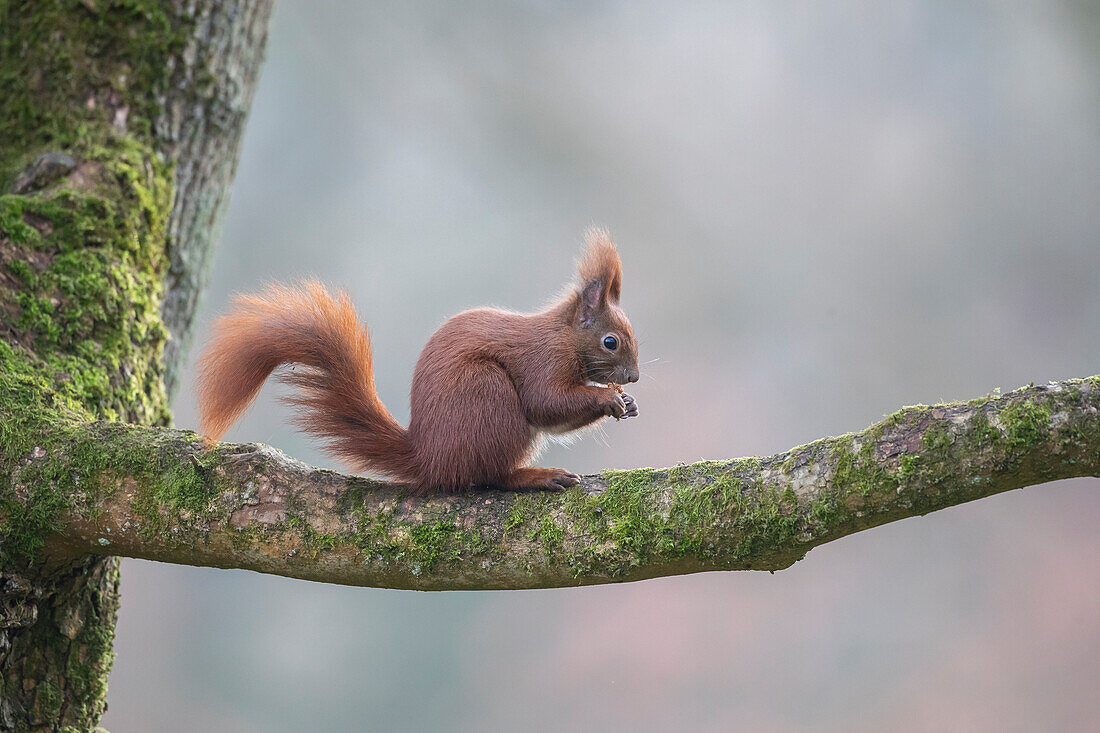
[{"x": 304, "y": 325}]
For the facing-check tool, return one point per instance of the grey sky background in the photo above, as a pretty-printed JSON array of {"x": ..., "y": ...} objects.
[{"x": 825, "y": 212}]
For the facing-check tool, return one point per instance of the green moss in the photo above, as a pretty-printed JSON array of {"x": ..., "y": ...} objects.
[
  {"x": 626, "y": 512},
  {"x": 168, "y": 493},
  {"x": 432, "y": 544},
  {"x": 858, "y": 471},
  {"x": 765, "y": 523},
  {"x": 521, "y": 511},
  {"x": 372, "y": 533},
  {"x": 86, "y": 671},
  {"x": 1025, "y": 424},
  {"x": 535, "y": 514},
  {"x": 90, "y": 281},
  {"x": 52, "y": 463},
  {"x": 427, "y": 546},
  {"x": 29, "y": 403},
  {"x": 824, "y": 512},
  {"x": 13, "y": 225},
  {"x": 983, "y": 401},
  {"x": 908, "y": 415},
  {"x": 936, "y": 441},
  {"x": 982, "y": 432},
  {"x": 313, "y": 541},
  {"x": 550, "y": 533},
  {"x": 421, "y": 546},
  {"x": 907, "y": 466},
  {"x": 715, "y": 511},
  {"x": 55, "y": 55},
  {"x": 48, "y": 700}
]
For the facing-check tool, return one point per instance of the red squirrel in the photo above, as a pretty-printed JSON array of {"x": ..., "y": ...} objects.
[{"x": 486, "y": 387}]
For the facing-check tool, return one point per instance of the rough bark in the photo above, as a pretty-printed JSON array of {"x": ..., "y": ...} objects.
[
  {"x": 200, "y": 127},
  {"x": 57, "y": 646},
  {"x": 165, "y": 495},
  {"x": 119, "y": 124}
]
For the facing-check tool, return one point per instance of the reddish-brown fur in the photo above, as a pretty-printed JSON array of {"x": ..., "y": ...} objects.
[{"x": 486, "y": 384}]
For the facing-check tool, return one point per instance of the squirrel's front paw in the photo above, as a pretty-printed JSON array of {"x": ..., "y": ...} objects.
[
  {"x": 631, "y": 405},
  {"x": 614, "y": 405}
]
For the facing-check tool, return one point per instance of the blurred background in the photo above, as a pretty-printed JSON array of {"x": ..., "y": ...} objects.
[{"x": 825, "y": 212}]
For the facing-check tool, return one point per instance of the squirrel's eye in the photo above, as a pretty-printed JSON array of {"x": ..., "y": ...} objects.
[{"x": 610, "y": 343}]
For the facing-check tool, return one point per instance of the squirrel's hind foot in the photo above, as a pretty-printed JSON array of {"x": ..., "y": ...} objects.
[{"x": 540, "y": 479}]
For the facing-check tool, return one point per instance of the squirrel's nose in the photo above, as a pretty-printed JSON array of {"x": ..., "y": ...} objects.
[{"x": 632, "y": 375}]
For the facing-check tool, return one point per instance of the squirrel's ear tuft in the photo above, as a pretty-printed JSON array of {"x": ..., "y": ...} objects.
[{"x": 600, "y": 269}]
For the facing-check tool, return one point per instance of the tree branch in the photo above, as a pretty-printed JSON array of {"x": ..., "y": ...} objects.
[{"x": 163, "y": 495}]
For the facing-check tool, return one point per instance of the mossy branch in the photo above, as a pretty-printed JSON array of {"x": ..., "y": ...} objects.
[{"x": 164, "y": 495}]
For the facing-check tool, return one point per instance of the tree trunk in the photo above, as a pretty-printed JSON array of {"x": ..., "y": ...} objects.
[{"x": 120, "y": 122}]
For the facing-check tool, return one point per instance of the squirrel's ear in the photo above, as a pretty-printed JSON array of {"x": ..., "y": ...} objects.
[
  {"x": 600, "y": 270},
  {"x": 590, "y": 295}
]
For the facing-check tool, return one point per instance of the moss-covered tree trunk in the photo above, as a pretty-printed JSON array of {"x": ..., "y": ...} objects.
[{"x": 120, "y": 122}]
